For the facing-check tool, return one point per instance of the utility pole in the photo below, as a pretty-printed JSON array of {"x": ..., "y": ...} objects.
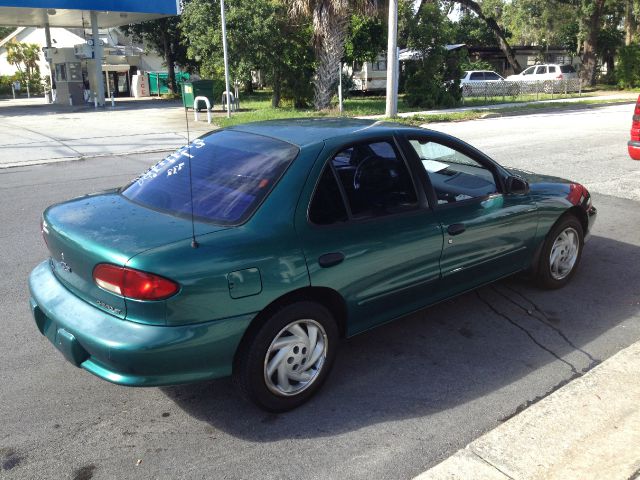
[
  {"x": 226, "y": 61},
  {"x": 392, "y": 61}
]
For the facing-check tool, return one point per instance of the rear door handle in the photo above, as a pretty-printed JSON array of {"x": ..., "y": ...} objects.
[
  {"x": 330, "y": 259},
  {"x": 456, "y": 229}
]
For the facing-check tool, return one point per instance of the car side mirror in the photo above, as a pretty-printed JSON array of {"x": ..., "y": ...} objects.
[{"x": 517, "y": 185}]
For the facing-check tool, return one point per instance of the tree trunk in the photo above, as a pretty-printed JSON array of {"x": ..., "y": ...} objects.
[
  {"x": 330, "y": 33},
  {"x": 169, "y": 59},
  {"x": 277, "y": 88},
  {"x": 248, "y": 86},
  {"x": 590, "y": 44},
  {"x": 630, "y": 24},
  {"x": 497, "y": 32}
]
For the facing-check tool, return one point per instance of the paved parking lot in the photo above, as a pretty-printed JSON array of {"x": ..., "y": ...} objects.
[{"x": 400, "y": 399}]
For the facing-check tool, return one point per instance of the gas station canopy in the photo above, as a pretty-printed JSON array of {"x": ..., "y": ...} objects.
[{"x": 75, "y": 13}]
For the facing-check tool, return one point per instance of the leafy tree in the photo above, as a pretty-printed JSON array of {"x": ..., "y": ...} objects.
[
  {"x": 628, "y": 70},
  {"x": 366, "y": 38},
  {"x": 260, "y": 36},
  {"x": 330, "y": 26},
  {"x": 164, "y": 37},
  {"x": 433, "y": 79},
  {"x": 4, "y": 31},
  {"x": 25, "y": 57},
  {"x": 470, "y": 29},
  {"x": 487, "y": 14}
]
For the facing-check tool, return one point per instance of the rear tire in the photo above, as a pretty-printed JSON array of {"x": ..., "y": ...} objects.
[
  {"x": 560, "y": 253},
  {"x": 285, "y": 362}
]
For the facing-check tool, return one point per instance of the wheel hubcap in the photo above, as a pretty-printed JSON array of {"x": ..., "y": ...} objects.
[
  {"x": 564, "y": 253},
  {"x": 295, "y": 357}
]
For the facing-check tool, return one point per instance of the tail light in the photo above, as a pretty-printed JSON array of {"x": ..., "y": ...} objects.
[
  {"x": 559, "y": 77},
  {"x": 131, "y": 283}
]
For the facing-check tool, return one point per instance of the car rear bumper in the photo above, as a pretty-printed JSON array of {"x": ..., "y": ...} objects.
[
  {"x": 634, "y": 149},
  {"x": 129, "y": 353}
]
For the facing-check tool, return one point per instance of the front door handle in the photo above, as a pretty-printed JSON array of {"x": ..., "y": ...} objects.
[
  {"x": 330, "y": 259},
  {"x": 456, "y": 229}
]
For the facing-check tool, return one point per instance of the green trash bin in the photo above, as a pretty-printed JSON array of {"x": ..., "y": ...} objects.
[{"x": 197, "y": 88}]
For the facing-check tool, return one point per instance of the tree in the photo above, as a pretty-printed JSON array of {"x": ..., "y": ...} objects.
[
  {"x": 5, "y": 31},
  {"x": 591, "y": 16},
  {"x": 25, "y": 57},
  {"x": 366, "y": 38},
  {"x": 497, "y": 30},
  {"x": 261, "y": 35},
  {"x": 473, "y": 31},
  {"x": 163, "y": 36},
  {"x": 433, "y": 80},
  {"x": 330, "y": 24}
]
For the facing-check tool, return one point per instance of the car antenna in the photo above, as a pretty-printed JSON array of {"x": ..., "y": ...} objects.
[{"x": 194, "y": 243}]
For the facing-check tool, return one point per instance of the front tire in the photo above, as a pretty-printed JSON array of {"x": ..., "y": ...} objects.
[
  {"x": 561, "y": 253},
  {"x": 288, "y": 358}
]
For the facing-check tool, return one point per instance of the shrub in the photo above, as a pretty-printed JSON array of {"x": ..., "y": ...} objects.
[{"x": 628, "y": 68}]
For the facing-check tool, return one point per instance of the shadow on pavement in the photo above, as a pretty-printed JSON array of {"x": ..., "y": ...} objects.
[{"x": 446, "y": 355}]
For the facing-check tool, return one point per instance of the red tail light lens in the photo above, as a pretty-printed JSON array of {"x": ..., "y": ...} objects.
[
  {"x": 637, "y": 109},
  {"x": 559, "y": 77},
  {"x": 131, "y": 283}
]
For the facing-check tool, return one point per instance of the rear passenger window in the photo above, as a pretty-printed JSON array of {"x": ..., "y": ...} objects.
[
  {"x": 541, "y": 70},
  {"x": 476, "y": 76},
  {"x": 327, "y": 206},
  {"x": 552, "y": 69},
  {"x": 375, "y": 180}
]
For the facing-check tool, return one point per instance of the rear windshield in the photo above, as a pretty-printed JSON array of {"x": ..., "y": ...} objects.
[
  {"x": 232, "y": 172},
  {"x": 567, "y": 69}
]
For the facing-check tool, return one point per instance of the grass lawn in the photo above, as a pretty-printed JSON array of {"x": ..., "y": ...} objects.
[{"x": 257, "y": 106}]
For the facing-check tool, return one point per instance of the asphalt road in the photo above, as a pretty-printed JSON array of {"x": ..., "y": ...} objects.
[{"x": 400, "y": 399}]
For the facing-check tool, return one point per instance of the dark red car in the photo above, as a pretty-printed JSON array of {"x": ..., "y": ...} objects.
[{"x": 634, "y": 144}]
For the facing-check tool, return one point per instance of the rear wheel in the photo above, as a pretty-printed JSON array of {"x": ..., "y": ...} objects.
[
  {"x": 286, "y": 361},
  {"x": 561, "y": 253}
]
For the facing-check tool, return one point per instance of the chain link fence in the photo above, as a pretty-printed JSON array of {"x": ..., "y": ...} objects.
[{"x": 508, "y": 90}]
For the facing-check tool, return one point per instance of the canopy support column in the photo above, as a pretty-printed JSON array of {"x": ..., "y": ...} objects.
[{"x": 97, "y": 56}]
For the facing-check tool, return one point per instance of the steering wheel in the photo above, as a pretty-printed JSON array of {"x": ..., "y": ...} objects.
[{"x": 372, "y": 162}]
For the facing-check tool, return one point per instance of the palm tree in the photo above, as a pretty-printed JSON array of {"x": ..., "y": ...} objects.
[
  {"x": 330, "y": 22},
  {"x": 25, "y": 57}
]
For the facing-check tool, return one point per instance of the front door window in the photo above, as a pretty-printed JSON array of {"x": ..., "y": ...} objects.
[{"x": 454, "y": 176}]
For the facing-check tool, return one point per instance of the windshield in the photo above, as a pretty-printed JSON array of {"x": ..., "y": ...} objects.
[{"x": 232, "y": 172}]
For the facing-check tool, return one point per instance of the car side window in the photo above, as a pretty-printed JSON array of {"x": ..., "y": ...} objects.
[
  {"x": 327, "y": 207},
  {"x": 476, "y": 76},
  {"x": 541, "y": 70},
  {"x": 375, "y": 180},
  {"x": 529, "y": 71},
  {"x": 453, "y": 175},
  {"x": 491, "y": 76},
  {"x": 552, "y": 69}
]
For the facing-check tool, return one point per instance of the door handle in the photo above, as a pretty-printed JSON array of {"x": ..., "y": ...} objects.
[
  {"x": 456, "y": 229},
  {"x": 330, "y": 259}
]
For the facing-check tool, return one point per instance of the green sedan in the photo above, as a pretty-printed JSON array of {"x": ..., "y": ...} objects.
[{"x": 253, "y": 250}]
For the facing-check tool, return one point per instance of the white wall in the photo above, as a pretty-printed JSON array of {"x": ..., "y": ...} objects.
[{"x": 60, "y": 37}]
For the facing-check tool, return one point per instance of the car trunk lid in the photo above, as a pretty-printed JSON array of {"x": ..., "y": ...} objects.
[{"x": 104, "y": 228}]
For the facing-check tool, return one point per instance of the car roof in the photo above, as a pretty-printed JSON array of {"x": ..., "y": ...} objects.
[{"x": 307, "y": 131}]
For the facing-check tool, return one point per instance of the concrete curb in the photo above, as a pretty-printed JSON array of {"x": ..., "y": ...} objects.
[
  {"x": 616, "y": 98},
  {"x": 588, "y": 429},
  {"x": 44, "y": 161}
]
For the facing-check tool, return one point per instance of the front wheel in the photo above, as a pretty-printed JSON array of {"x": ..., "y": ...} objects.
[
  {"x": 286, "y": 361},
  {"x": 561, "y": 253}
]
